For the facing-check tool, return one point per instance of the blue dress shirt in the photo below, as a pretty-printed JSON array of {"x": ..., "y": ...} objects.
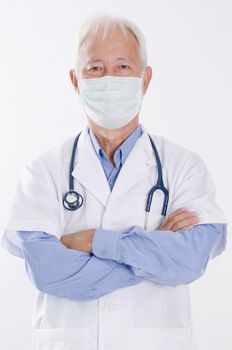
[
  {"x": 118, "y": 260},
  {"x": 120, "y": 154}
]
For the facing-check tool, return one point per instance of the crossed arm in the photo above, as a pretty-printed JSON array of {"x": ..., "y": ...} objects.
[
  {"x": 88, "y": 264},
  {"x": 179, "y": 220}
]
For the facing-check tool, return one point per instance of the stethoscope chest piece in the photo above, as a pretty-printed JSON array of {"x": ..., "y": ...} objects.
[{"x": 72, "y": 200}]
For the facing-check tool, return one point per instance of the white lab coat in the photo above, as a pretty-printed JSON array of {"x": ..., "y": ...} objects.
[{"x": 143, "y": 316}]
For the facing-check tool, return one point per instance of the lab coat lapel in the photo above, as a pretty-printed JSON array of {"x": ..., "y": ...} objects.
[
  {"x": 89, "y": 172},
  {"x": 136, "y": 167},
  {"x": 88, "y": 169}
]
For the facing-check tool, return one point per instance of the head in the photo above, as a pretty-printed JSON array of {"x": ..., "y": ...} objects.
[{"x": 110, "y": 46}]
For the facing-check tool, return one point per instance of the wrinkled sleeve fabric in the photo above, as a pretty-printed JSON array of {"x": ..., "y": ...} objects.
[
  {"x": 168, "y": 257},
  {"x": 36, "y": 203},
  {"x": 193, "y": 187},
  {"x": 68, "y": 273},
  {"x": 164, "y": 257}
]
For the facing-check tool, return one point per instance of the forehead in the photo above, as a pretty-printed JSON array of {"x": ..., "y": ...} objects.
[{"x": 114, "y": 43}]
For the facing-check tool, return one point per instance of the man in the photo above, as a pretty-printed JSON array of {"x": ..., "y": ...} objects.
[{"x": 109, "y": 275}]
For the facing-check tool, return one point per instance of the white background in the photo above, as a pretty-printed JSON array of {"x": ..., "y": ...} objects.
[{"x": 188, "y": 102}]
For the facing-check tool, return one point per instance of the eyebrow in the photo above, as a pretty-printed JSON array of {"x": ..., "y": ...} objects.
[{"x": 126, "y": 58}]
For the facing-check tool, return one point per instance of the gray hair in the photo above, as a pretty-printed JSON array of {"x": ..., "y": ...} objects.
[{"x": 101, "y": 24}]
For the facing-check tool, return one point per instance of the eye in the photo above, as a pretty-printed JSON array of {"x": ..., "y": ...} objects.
[
  {"x": 124, "y": 66},
  {"x": 95, "y": 68}
]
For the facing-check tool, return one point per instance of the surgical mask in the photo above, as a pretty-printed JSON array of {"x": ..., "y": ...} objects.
[{"x": 111, "y": 101}]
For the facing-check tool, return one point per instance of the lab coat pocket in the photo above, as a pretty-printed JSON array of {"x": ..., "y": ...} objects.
[
  {"x": 154, "y": 218},
  {"x": 161, "y": 339},
  {"x": 61, "y": 338}
]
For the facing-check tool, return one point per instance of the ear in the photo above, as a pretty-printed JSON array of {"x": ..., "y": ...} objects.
[
  {"x": 74, "y": 80},
  {"x": 146, "y": 78}
]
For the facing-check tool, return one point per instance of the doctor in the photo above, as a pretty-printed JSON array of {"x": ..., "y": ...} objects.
[{"x": 108, "y": 274}]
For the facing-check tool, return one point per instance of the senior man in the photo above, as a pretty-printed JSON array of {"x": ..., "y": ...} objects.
[{"x": 110, "y": 275}]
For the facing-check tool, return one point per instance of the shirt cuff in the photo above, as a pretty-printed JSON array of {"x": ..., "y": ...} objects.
[
  {"x": 104, "y": 244},
  {"x": 127, "y": 277}
]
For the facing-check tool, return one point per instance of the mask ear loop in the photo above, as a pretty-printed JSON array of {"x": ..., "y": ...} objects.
[
  {"x": 75, "y": 76},
  {"x": 143, "y": 80}
]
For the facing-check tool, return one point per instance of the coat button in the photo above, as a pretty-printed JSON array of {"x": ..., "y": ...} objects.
[
  {"x": 131, "y": 280},
  {"x": 110, "y": 305},
  {"x": 107, "y": 303},
  {"x": 111, "y": 346}
]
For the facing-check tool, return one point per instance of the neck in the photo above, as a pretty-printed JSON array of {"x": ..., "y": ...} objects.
[{"x": 111, "y": 139}]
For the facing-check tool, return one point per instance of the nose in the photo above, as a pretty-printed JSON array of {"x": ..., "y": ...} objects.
[{"x": 110, "y": 71}]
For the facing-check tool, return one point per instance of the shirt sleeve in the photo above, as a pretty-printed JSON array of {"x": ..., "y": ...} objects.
[
  {"x": 165, "y": 257},
  {"x": 69, "y": 273}
]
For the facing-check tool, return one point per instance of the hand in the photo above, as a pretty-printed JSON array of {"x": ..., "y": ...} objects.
[
  {"x": 79, "y": 240},
  {"x": 181, "y": 219}
]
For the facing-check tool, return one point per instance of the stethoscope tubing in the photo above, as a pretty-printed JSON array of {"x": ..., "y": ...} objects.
[{"x": 79, "y": 199}]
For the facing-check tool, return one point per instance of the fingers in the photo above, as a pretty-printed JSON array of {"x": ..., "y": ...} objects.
[
  {"x": 175, "y": 220},
  {"x": 190, "y": 227},
  {"x": 179, "y": 220},
  {"x": 171, "y": 216},
  {"x": 176, "y": 212},
  {"x": 183, "y": 224}
]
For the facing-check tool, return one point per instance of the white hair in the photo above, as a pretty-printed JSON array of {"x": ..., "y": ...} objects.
[{"x": 102, "y": 24}]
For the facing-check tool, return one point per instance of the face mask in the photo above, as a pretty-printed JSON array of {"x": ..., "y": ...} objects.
[{"x": 110, "y": 101}]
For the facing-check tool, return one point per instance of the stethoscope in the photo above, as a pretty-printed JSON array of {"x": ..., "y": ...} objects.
[{"x": 73, "y": 200}]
